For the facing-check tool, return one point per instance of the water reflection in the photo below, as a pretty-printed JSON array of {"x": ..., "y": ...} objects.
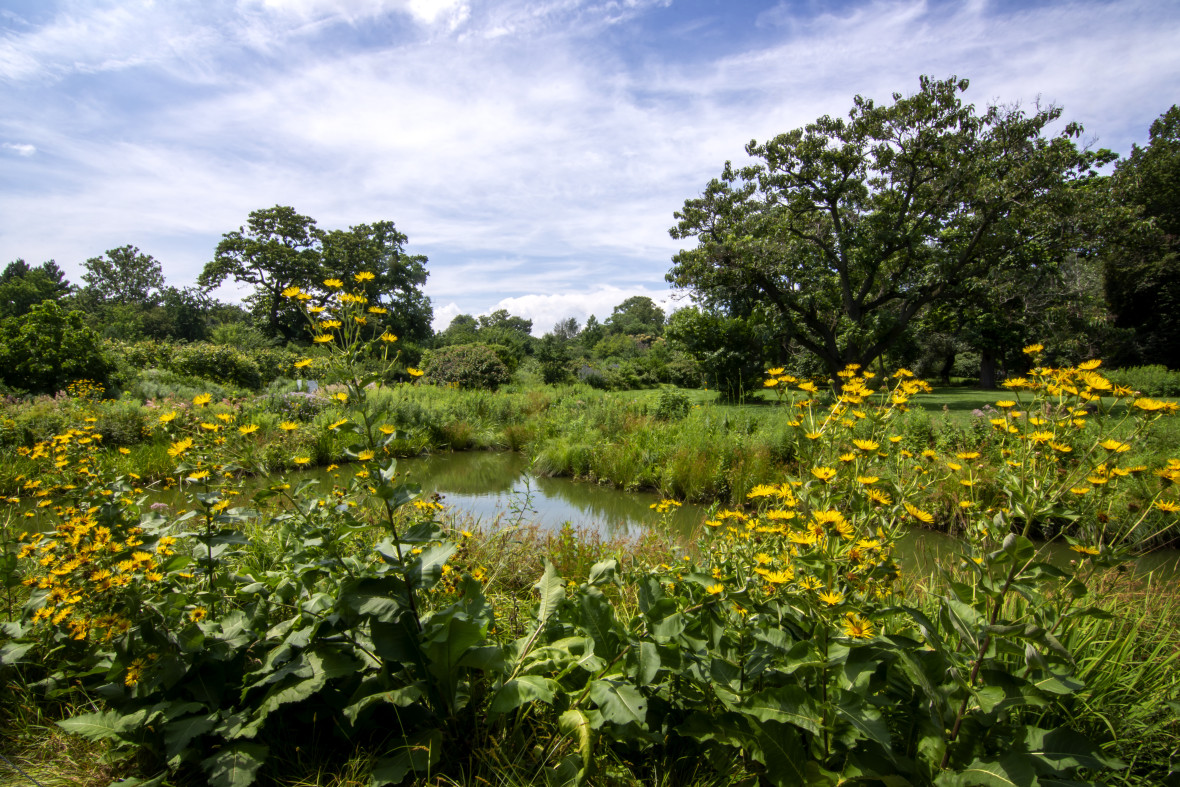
[{"x": 497, "y": 486}]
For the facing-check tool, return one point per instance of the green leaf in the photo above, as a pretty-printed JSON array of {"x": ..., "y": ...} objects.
[
  {"x": 179, "y": 733},
  {"x": 552, "y": 590},
  {"x": 236, "y": 765},
  {"x": 786, "y": 705},
  {"x": 574, "y": 722},
  {"x": 603, "y": 572},
  {"x": 777, "y": 746},
  {"x": 97, "y": 726},
  {"x": 1064, "y": 749},
  {"x": 647, "y": 663},
  {"x": 518, "y": 691},
  {"x": 1013, "y": 770},
  {"x": 618, "y": 702},
  {"x": 417, "y": 755}
]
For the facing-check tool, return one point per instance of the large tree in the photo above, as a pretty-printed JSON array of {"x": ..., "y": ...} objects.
[
  {"x": 123, "y": 277},
  {"x": 850, "y": 228},
  {"x": 280, "y": 248},
  {"x": 23, "y": 286},
  {"x": 1142, "y": 273}
]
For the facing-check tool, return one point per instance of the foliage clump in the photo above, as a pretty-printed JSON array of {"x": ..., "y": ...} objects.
[{"x": 472, "y": 366}]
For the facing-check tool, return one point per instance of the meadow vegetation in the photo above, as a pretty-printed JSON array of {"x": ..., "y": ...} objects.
[{"x": 356, "y": 634}]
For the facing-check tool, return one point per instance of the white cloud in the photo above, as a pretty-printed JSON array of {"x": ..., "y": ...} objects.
[{"x": 20, "y": 148}]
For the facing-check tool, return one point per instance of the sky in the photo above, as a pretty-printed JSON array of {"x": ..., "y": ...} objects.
[{"x": 534, "y": 150}]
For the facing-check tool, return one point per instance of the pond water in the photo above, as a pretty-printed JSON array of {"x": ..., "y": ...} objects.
[{"x": 493, "y": 487}]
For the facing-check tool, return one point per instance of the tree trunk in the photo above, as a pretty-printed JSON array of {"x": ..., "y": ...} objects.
[
  {"x": 948, "y": 365},
  {"x": 987, "y": 369}
]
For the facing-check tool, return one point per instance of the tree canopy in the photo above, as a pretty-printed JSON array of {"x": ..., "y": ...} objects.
[
  {"x": 280, "y": 248},
  {"x": 850, "y": 228}
]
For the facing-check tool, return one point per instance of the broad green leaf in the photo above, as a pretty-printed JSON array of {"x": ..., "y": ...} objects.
[
  {"x": 552, "y": 591},
  {"x": 97, "y": 726},
  {"x": 400, "y": 697},
  {"x": 415, "y": 755},
  {"x": 1013, "y": 770},
  {"x": 235, "y": 765},
  {"x": 1065, "y": 749},
  {"x": 574, "y": 723},
  {"x": 786, "y": 705},
  {"x": 603, "y": 572},
  {"x": 647, "y": 658},
  {"x": 618, "y": 702},
  {"x": 777, "y": 746},
  {"x": 518, "y": 691},
  {"x": 179, "y": 733}
]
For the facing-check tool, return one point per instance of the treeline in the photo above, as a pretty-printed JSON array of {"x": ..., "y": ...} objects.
[{"x": 920, "y": 234}]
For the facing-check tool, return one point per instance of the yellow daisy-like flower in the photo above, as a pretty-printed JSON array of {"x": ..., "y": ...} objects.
[
  {"x": 200, "y": 475},
  {"x": 414, "y": 372},
  {"x": 824, "y": 474},
  {"x": 858, "y": 627},
  {"x": 1110, "y": 444},
  {"x": 365, "y": 456},
  {"x": 333, "y": 284},
  {"x": 248, "y": 429},
  {"x": 831, "y": 597},
  {"x": 200, "y": 400},
  {"x": 322, "y": 338},
  {"x": 300, "y": 461},
  {"x": 1084, "y": 550},
  {"x": 302, "y": 363},
  {"x": 776, "y": 371},
  {"x": 226, "y": 417},
  {"x": 198, "y": 614},
  {"x": 378, "y": 310},
  {"x": 1032, "y": 349},
  {"x": 1150, "y": 405},
  {"x": 1167, "y": 505},
  {"x": 771, "y": 383},
  {"x": 924, "y": 517},
  {"x": 715, "y": 590},
  {"x": 338, "y": 424},
  {"x": 808, "y": 386},
  {"x": 330, "y": 323},
  {"x": 387, "y": 337},
  {"x": 167, "y": 417},
  {"x": 124, "y": 451},
  {"x": 180, "y": 446},
  {"x": 363, "y": 276},
  {"x": 1089, "y": 366},
  {"x": 1040, "y": 437},
  {"x": 340, "y": 396},
  {"x": 291, "y": 292},
  {"x": 779, "y": 577},
  {"x": 288, "y": 426},
  {"x": 866, "y": 445}
]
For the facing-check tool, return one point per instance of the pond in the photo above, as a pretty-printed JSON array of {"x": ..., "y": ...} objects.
[{"x": 495, "y": 487}]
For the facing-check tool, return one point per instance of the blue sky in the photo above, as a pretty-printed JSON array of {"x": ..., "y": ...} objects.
[{"x": 533, "y": 150}]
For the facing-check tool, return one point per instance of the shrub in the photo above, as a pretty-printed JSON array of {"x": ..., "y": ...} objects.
[
  {"x": 47, "y": 348},
  {"x": 672, "y": 405},
  {"x": 467, "y": 366},
  {"x": 1148, "y": 380},
  {"x": 218, "y": 363}
]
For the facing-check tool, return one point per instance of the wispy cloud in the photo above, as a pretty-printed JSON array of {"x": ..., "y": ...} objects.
[{"x": 525, "y": 147}]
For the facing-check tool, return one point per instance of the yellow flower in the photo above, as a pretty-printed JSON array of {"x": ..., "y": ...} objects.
[
  {"x": 166, "y": 417},
  {"x": 288, "y": 426},
  {"x": 771, "y": 383},
  {"x": 824, "y": 474},
  {"x": 333, "y": 284},
  {"x": 1150, "y": 405},
  {"x": 831, "y": 597},
  {"x": 866, "y": 445},
  {"x": 1167, "y": 505},
  {"x": 779, "y": 577},
  {"x": 365, "y": 456},
  {"x": 387, "y": 337},
  {"x": 776, "y": 371},
  {"x": 338, "y": 424},
  {"x": 1084, "y": 550},
  {"x": 180, "y": 446},
  {"x": 1110, "y": 444},
  {"x": 301, "y": 460},
  {"x": 714, "y": 590},
  {"x": 1089, "y": 366},
  {"x": 363, "y": 276},
  {"x": 378, "y": 310},
  {"x": 808, "y": 386},
  {"x": 322, "y": 338},
  {"x": 290, "y": 292},
  {"x": 248, "y": 429},
  {"x": 414, "y": 372},
  {"x": 199, "y": 475},
  {"x": 340, "y": 396},
  {"x": 922, "y": 516},
  {"x": 1041, "y": 437},
  {"x": 1032, "y": 349},
  {"x": 227, "y": 417},
  {"x": 198, "y": 614},
  {"x": 200, "y": 400},
  {"x": 858, "y": 627},
  {"x": 303, "y": 363},
  {"x": 124, "y": 451}
]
